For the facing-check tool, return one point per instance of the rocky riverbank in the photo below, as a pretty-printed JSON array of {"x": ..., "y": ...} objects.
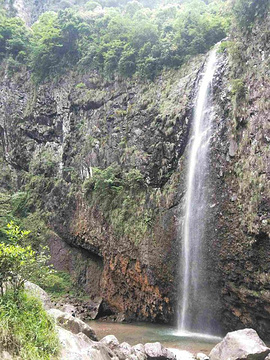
[{"x": 80, "y": 342}]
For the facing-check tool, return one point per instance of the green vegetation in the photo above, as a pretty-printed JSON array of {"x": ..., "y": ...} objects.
[
  {"x": 26, "y": 330},
  {"x": 14, "y": 38},
  {"x": 18, "y": 262},
  {"x": 128, "y": 39},
  {"x": 247, "y": 11},
  {"x": 122, "y": 198},
  {"x": 58, "y": 284}
]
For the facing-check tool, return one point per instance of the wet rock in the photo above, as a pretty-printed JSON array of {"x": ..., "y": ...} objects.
[
  {"x": 94, "y": 308},
  {"x": 72, "y": 323},
  {"x": 242, "y": 344}
]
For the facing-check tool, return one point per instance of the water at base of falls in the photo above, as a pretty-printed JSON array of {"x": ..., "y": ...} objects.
[
  {"x": 196, "y": 335},
  {"x": 195, "y": 313},
  {"x": 135, "y": 333}
]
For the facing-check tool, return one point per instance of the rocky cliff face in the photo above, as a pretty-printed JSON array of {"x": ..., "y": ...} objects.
[
  {"x": 55, "y": 136},
  {"x": 240, "y": 172},
  {"x": 116, "y": 231}
]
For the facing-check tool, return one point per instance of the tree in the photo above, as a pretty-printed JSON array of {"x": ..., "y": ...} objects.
[
  {"x": 246, "y": 11},
  {"x": 14, "y": 37},
  {"x": 19, "y": 263},
  {"x": 46, "y": 44},
  {"x": 127, "y": 63}
]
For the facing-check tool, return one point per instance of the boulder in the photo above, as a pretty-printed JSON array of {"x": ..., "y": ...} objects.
[
  {"x": 138, "y": 352},
  {"x": 71, "y": 323},
  {"x": 182, "y": 354},
  {"x": 240, "y": 345},
  {"x": 201, "y": 356},
  {"x": 157, "y": 351},
  {"x": 110, "y": 341},
  {"x": 80, "y": 347},
  {"x": 39, "y": 293},
  {"x": 126, "y": 349}
]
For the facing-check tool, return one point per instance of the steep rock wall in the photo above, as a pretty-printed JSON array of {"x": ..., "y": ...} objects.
[
  {"x": 240, "y": 172},
  {"x": 54, "y": 136}
]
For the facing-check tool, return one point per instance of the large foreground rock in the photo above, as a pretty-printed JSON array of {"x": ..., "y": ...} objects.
[
  {"x": 157, "y": 351},
  {"x": 240, "y": 345},
  {"x": 71, "y": 323},
  {"x": 80, "y": 347}
]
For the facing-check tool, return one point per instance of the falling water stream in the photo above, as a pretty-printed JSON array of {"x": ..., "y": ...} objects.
[
  {"x": 193, "y": 322},
  {"x": 194, "y": 314}
]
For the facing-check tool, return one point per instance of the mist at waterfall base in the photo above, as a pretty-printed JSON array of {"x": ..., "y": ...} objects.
[{"x": 195, "y": 313}]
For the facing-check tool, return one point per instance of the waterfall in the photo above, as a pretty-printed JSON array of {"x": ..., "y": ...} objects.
[{"x": 195, "y": 314}]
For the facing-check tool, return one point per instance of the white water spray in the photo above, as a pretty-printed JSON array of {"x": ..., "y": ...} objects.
[{"x": 193, "y": 306}]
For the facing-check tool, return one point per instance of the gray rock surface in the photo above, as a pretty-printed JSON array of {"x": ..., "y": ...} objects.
[
  {"x": 110, "y": 341},
  {"x": 80, "y": 347},
  {"x": 157, "y": 351},
  {"x": 39, "y": 293},
  {"x": 72, "y": 323},
  {"x": 139, "y": 352},
  {"x": 68, "y": 308},
  {"x": 126, "y": 349},
  {"x": 242, "y": 344},
  {"x": 182, "y": 354},
  {"x": 201, "y": 356}
]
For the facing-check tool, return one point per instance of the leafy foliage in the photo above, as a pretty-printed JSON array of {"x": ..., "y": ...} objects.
[
  {"x": 19, "y": 262},
  {"x": 116, "y": 38},
  {"x": 246, "y": 11},
  {"x": 26, "y": 330},
  {"x": 14, "y": 38}
]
